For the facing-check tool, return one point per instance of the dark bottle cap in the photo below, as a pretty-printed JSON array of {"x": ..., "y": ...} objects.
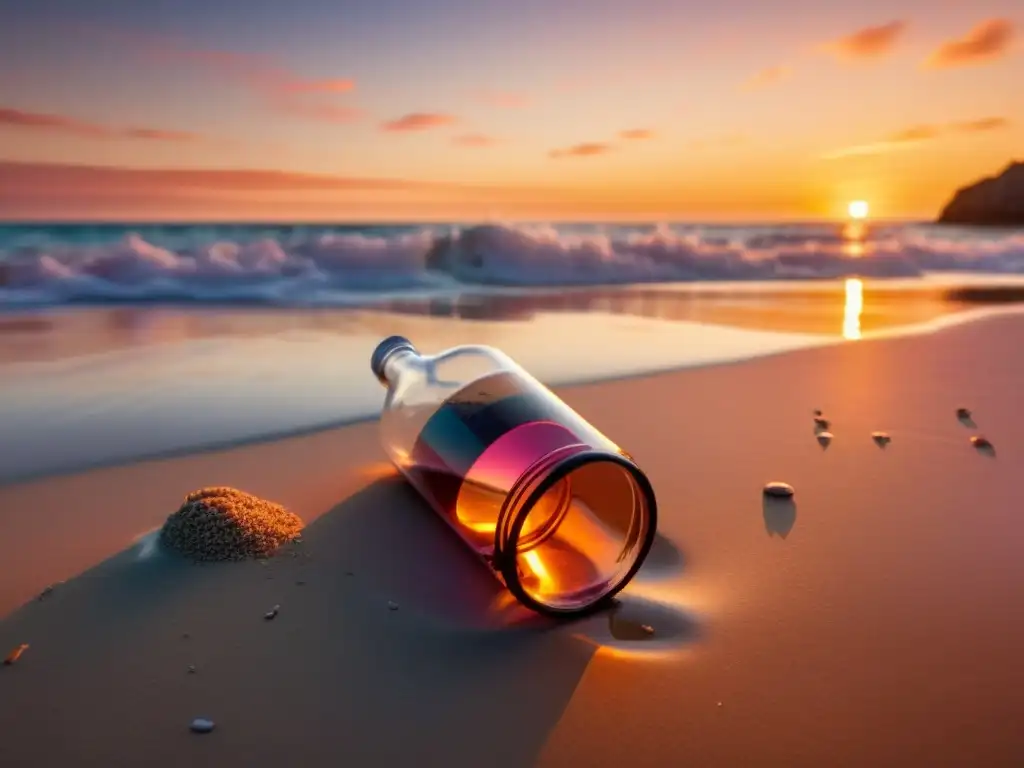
[{"x": 384, "y": 350}]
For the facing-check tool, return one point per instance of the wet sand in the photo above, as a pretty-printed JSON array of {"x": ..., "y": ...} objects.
[{"x": 873, "y": 623}]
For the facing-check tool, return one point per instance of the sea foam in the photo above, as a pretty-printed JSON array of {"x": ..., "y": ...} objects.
[{"x": 307, "y": 267}]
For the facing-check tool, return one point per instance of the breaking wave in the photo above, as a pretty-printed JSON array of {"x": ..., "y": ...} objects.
[{"x": 298, "y": 266}]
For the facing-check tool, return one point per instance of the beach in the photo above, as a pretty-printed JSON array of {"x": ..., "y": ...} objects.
[{"x": 878, "y": 626}]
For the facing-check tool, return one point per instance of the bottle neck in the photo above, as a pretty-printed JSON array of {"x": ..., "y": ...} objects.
[{"x": 397, "y": 364}]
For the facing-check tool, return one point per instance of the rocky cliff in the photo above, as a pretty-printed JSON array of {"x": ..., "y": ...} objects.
[{"x": 996, "y": 201}]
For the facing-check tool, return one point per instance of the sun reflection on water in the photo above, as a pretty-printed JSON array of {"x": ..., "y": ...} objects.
[{"x": 852, "y": 308}]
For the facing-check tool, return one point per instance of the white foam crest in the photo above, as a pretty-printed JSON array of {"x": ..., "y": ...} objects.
[{"x": 351, "y": 268}]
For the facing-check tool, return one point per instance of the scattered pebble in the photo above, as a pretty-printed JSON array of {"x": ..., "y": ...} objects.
[
  {"x": 881, "y": 439},
  {"x": 982, "y": 443},
  {"x": 824, "y": 439},
  {"x": 822, "y": 423},
  {"x": 185, "y": 636},
  {"x": 963, "y": 413},
  {"x": 201, "y": 725},
  {"x": 300, "y": 583},
  {"x": 14, "y": 655},
  {"x": 47, "y": 591},
  {"x": 349, "y": 573},
  {"x": 779, "y": 490},
  {"x": 228, "y": 524},
  {"x": 392, "y": 605},
  {"x": 272, "y": 613},
  {"x": 191, "y": 669},
  {"x": 647, "y": 629},
  {"x": 817, "y": 412},
  {"x": 719, "y": 703}
]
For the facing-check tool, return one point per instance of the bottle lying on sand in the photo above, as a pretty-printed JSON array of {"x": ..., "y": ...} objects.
[{"x": 562, "y": 515}]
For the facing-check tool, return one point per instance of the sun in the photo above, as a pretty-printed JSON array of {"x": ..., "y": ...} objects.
[{"x": 858, "y": 209}]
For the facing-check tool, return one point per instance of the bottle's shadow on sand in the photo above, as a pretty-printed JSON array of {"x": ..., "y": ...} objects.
[{"x": 393, "y": 645}]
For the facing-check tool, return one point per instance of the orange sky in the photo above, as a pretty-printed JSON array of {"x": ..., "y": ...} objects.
[{"x": 465, "y": 111}]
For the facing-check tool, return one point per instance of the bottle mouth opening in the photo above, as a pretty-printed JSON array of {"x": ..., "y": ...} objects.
[{"x": 576, "y": 529}]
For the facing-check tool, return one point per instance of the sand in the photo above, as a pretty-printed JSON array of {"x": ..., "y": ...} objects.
[{"x": 875, "y": 622}]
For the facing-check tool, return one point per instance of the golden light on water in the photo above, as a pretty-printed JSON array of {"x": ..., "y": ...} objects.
[
  {"x": 858, "y": 209},
  {"x": 852, "y": 308}
]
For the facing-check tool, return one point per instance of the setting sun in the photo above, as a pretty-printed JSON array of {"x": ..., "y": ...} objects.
[{"x": 858, "y": 209}]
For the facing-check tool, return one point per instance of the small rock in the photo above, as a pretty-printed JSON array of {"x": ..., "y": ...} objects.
[
  {"x": 47, "y": 591},
  {"x": 300, "y": 583},
  {"x": 963, "y": 413},
  {"x": 14, "y": 655},
  {"x": 779, "y": 490},
  {"x": 185, "y": 636},
  {"x": 981, "y": 443},
  {"x": 392, "y": 605},
  {"x": 817, "y": 412},
  {"x": 647, "y": 629},
  {"x": 822, "y": 423},
  {"x": 272, "y": 613},
  {"x": 824, "y": 439},
  {"x": 349, "y": 573},
  {"x": 201, "y": 725},
  {"x": 191, "y": 669},
  {"x": 881, "y": 439},
  {"x": 719, "y": 703}
]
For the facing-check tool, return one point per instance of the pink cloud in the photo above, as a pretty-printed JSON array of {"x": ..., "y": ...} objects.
[
  {"x": 418, "y": 121},
  {"x": 985, "y": 42},
  {"x": 41, "y": 121},
  {"x": 278, "y": 87},
  {"x": 475, "y": 140},
  {"x": 636, "y": 134},
  {"x": 587, "y": 149},
  {"x": 868, "y": 42}
]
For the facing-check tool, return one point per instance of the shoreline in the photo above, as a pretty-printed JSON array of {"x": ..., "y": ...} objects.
[{"x": 935, "y": 325}]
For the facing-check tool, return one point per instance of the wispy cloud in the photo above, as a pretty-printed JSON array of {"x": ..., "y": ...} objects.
[
  {"x": 869, "y": 42},
  {"x": 475, "y": 140},
  {"x": 419, "y": 121},
  {"x": 586, "y": 149},
  {"x": 918, "y": 134},
  {"x": 987, "y": 41},
  {"x": 279, "y": 88},
  {"x": 767, "y": 77},
  {"x": 70, "y": 126},
  {"x": 502, "y": 99},
  {"x": 637, "y": 134}
]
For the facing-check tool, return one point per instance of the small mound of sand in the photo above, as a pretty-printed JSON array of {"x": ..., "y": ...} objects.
[{"x": 228, "y": 524}]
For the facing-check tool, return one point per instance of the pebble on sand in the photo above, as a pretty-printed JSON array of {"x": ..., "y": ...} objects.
[
  {"x": 228, "y": 524},
  {"x": 779, "y": 490},
  {"x": 963, "y": 413},
  {"x": 201, "y": 725},
  {"x": 14, "y": 655},
  {"x": 981, "y": 442},
  {"x": 817, "y": 411},
  {"x": 881, "y": 439},
  {"x": 824, "y": 439},
  {"x": 392, "y": 605},
  {"x": 822, "y": 423},
  {"x": 272, "y": 613}
]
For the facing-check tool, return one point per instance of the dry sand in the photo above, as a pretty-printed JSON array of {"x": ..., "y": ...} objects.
[{"x": 884, "y": 628}]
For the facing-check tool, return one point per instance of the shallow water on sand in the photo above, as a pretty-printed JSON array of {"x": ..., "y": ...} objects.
[{"x": 95, "y": 386}]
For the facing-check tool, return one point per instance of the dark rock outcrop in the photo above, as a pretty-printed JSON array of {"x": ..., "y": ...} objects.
[{"x": 995, "y": 201}]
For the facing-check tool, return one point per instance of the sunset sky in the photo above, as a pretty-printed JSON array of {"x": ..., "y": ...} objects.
[{"x": 534, "y": 109}]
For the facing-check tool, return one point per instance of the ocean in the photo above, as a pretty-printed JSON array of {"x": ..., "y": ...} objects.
[
  {"x": 341, "y": 266},
  {"x": 127, "y": 342}
]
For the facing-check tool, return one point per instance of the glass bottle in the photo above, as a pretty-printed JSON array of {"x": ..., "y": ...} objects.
[{"x": 562, "y": 515}]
